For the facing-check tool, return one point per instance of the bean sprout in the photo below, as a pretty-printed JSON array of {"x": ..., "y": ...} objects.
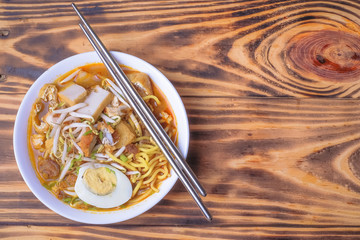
[
  {"x": 71, "y": 109},
  {"x": 70, "y": 77}
]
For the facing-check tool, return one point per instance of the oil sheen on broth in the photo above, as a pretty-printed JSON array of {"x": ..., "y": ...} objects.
[{"x": 87, "y": 145}]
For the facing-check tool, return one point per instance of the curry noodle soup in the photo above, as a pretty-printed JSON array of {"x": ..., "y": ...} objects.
[{"x": 87, "y": 145}]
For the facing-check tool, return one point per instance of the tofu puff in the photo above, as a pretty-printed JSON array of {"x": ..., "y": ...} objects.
[{"x": 89, "y": 148}]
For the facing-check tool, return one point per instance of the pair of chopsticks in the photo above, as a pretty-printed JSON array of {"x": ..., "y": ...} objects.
[{"x": 173, "y": 155}]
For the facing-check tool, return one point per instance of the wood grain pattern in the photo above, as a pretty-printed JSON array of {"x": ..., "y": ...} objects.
[
  {"x": 271, "y": 89},
  {"x": 282, "y": 164},
  {"x": 217, "y": 48}
]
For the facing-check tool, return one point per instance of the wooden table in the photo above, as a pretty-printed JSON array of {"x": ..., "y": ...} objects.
[{"x": 272, "y": 93}]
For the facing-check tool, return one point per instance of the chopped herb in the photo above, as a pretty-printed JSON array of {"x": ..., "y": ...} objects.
[
  {"x": 60, "y": 105},
  {"x": 93, "y": 155},
  {"x": 72, "y": 163},
  {"x": 123, "y": 158},
  {"x": 67, "y": 200},
  {"x": 79, "y": 158},
  {"x": 71, "y": 135},
  {"x": 69, "y": 148},
  {"x": 87, "y": 133},
  {"x": 77, "y": 170},
  {"x": 75, "y": 160},
  {"x": 48, "y": 133},
  {"x": 101, "y": 136},
  {"x": 50, "y": 185},
  {"x": 114, "y": 185},
  {"x": 109, "y": 170}
]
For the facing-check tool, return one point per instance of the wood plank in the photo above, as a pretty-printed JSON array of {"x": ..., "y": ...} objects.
[
  {"x": 217, "y": 48},
  {"x": 276, "y": 161},
  {"x": 171, "y": 232},
  {"x": 275, "y": 168}
]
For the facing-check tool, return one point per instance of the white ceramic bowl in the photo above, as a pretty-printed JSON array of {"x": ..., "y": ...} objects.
[{"x": 21, "y": 145}]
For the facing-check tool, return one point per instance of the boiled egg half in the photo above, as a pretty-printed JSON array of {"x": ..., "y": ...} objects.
[{"x": 103, "y": 186}]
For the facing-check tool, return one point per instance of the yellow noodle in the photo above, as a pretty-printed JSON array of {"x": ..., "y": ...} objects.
[
  {"x": 162, "y": 163},
  {"x": 141, "y": 197},
  {"x": 130, "y": 156},
  {"x": 124, "y": 164},
  {"x": 132, "y": 125},
  {"x": 152, "y": 141},
  {"x": 146, "y": 145},
  {"x": 149, "y": 150},
  {"x": 152, "y": 97},
  {"x": 152, "y": 161},
  {"x": 139, "y": 165},
  {"x": 165, "y": 172},
  {"x": 153, "y": 176},
  {"x": 142, "y": 160},
  {"x": 137, "y": 187},
  {"x": 143, "y": 155},
  {"x": 142, "y": 138},
  {"x": 144, "y": 186},
  {"x": 153, "y": 187},
  {"x": 159, "y": 157},
  {"x": 162, "y": 159},
  {"x": 149, "y": 171}
]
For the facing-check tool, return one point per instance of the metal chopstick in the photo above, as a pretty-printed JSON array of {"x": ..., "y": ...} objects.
[
  {"x": 146, "y": 116},
  {"x": 150, "y": 116}
]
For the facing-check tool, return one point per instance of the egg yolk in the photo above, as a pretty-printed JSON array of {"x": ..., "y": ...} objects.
[{"x": 100, "y": 181}]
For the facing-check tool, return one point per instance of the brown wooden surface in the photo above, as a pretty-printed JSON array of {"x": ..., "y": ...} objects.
[{"x": 272, "y": 93}]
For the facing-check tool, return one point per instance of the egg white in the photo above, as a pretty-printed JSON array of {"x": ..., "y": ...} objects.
[{"x": 120, "y": 195}]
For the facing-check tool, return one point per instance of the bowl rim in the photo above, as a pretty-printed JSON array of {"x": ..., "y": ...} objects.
[{"x": 24, "y": 163}]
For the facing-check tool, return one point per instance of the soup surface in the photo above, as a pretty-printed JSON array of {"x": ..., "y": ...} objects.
[{"x": 87, "y": 145}]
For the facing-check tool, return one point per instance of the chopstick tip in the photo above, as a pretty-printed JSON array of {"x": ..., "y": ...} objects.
[{"x": 74, "y": 6}]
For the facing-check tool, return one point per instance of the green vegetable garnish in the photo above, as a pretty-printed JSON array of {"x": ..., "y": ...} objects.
[
  {"x": 77, "y": 170},
  {"x": 79, "y": 158},
  {"x": 101, "y": 136},
  {"x": 48, "y": 133},
  {"x": 123, "y": 158},
  {"x": 70, "y": 134},
  {"x": 60, "y": 105},
  {"x": 50, "y": 185},
  {"x": 109, "y": 170},
  {"x": 87, "y": 133}
]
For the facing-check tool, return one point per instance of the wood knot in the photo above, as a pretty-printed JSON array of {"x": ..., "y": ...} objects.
[{"x": 331, "y": 55}]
